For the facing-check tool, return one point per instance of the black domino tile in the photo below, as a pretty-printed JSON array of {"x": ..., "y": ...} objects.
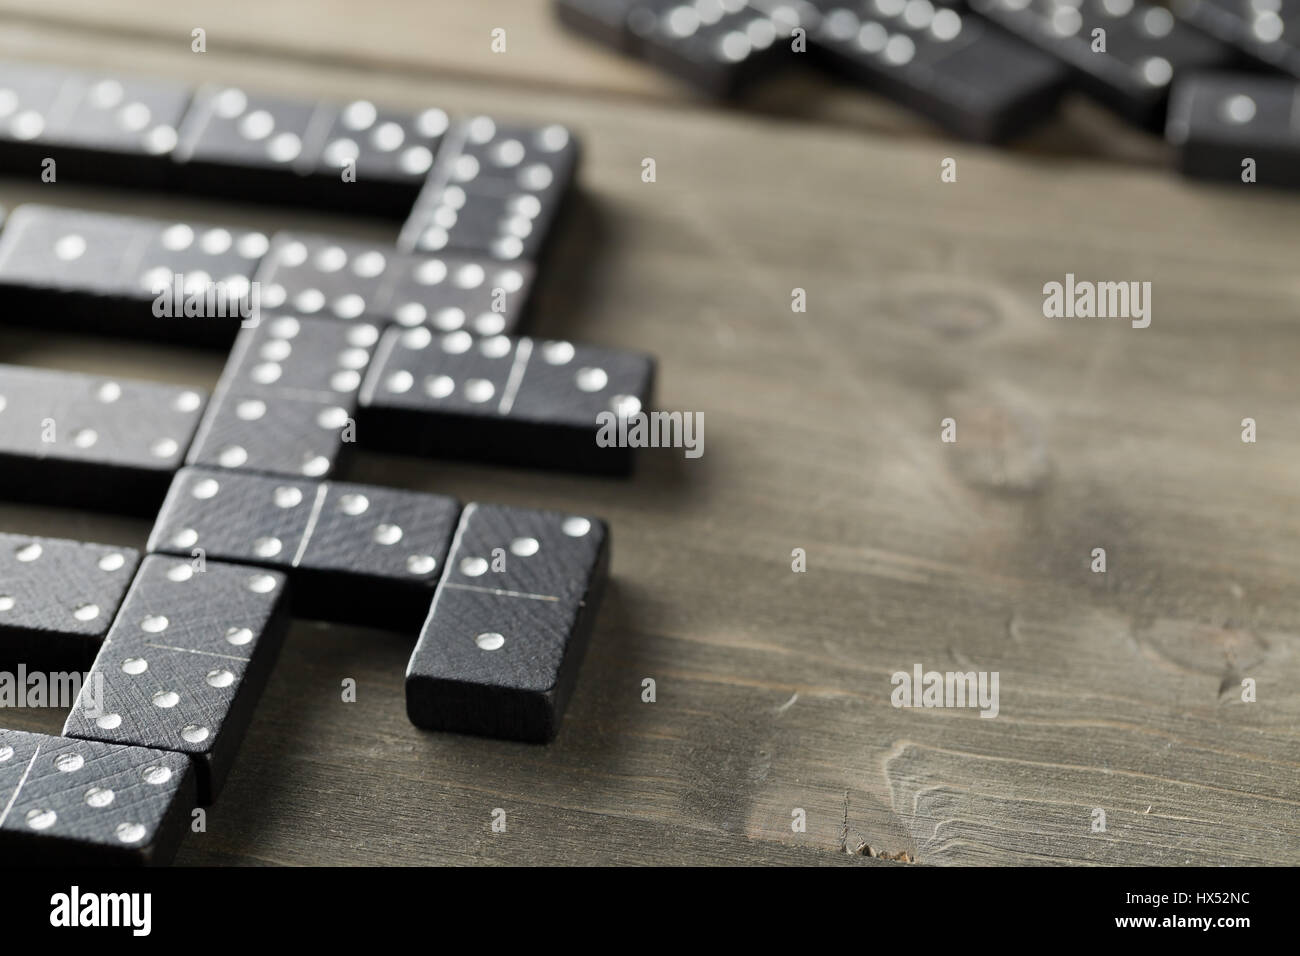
[
  {"x": 57, "y": 600},
  {"x": 356, "y": 554},
  {"x": 375, "y": 554},
  {"x": 718, "y": 46},
  {"x": 1266, "y": 31},
  {"x": 603, "y": 20},
  {"x": 84, "y": 803},
  {"x": 511, "y": 227},
  {"x": 102, "y": 443},
  {"x": 305, "y": 357},
  {"x": 97, "y": 127},
  {"x": 286, "y": 402},
  {"x": 1216, "y": 121},
  {"x": 315, "y": 275},
  {"x": 249, "y": 430},
  {"x": 392, "y": 152},
  {"x": 948, "y": 65},
  {"x": 185, "y": 662},
  {"x": 495, "y": 188},
  {"x": 501, "y": 649},
  {"x": 501, "y": 399},
  {"x": 116, "y": 275},
  {"x": 252, "y": 146},
  {"x": 236, "y": 517},
  {"x": 1146, "y": 47},
  {"x": 459, "y": 291}
]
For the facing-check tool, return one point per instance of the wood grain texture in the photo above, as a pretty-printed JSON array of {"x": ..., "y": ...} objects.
[{"x": 1119, "y": 691}]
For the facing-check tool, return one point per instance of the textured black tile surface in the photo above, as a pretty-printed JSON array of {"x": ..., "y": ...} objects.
[
  {"x": 97, "y": 127},
  {"x": 453, "y": 291},
  {"x": 495, "y": 189},
  {"x": 100, "y": 442},
  {"x": 355, "y": 553},
  {"x": 500, "y": 651},
  {"x": 715, "y": 45},
  {"x": 1267, "y": 31},
  {"x": 391, "y": 152},
  {"x": 314, "y": 275},
  {"x": 250, "y": 145},
  {"x": 81, "y": 802},
  {"x": 717, "y": 50},
  {"x": 1217, "y": 121},
  {"x": 286, "y": 400},
  {"x": 123, "y": 276},
  {"x": 1146, "y": 47},
  {"x": 289, "y": 355},
  {"x": 57, "y": 599},
  {"x": 375, "y": 554},
  {"x": 509, "y": 400},
  {"x": 185, "y": 662},
  {"x": 946, "y": 64},
  {"x": 247, "y": 429}
]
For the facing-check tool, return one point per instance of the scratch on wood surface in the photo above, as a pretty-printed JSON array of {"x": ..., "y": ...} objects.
[
  {"x": 788, "y": 704},
  {"x": 901, "y": 747},
  {"x": 844, "y": 827},
  {"x": 901, "y": 856},
  {"x": 1013, "y": 628}
]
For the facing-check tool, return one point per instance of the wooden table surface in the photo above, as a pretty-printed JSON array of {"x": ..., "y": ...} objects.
[{"x": 1119, "y": 691}]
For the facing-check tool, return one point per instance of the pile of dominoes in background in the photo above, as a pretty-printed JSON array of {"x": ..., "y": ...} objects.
[
  {"x": 410, "y": 348},
  {"x": 989, "y": 69}
]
